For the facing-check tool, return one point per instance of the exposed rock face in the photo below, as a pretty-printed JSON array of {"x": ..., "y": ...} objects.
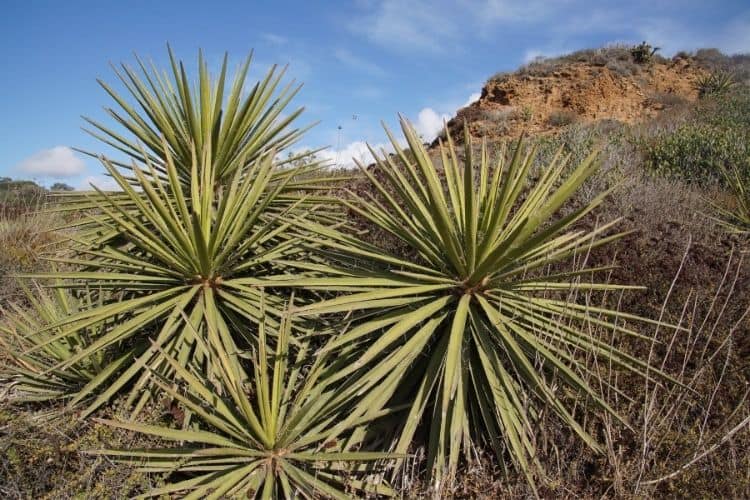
[{"x": 577, "y": 91}]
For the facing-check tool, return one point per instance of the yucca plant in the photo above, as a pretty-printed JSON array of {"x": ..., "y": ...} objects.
[
  {"x": 178, "y": 250},
  {"x": 737, "y": 218},
  {"x": 32, "y": 374},
  {"x": 472, "y": 335},
  {"x": 274, "y": 431},
  {"x": 201, "y": 202},
  {"x": 715, "y": 83},
  {"x": 228, "y": 126},
  {"x": 235, "y": 125}
]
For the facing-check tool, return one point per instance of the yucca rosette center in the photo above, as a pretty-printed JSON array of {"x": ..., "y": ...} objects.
[
  {"x": 210, "y": 281},
  {"x": 468, "y": 287},
  {"x": 170, "y": 251}
]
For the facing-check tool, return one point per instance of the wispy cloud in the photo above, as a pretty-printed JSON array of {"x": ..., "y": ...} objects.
[
  {"x": 59, "y": 161},
  {"x": 358, "y": 63},
  {"x": 672, "y": 35},
  {"x": 516, "y": 11},
  {"x": 274, "y": 39},
  {"x": 406, "y": 25},
  {"x": 428, "y": 123},
  {"x": 439, "y": 25},
  {"x": 103, "y": 182}
]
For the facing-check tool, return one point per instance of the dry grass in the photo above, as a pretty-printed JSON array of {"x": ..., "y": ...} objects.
[
  {"x": 43, "y": 456},
  {"x": 26, "y": 236},
  {"x": 685, "y": 440},
  {"x": 617, "y": 58}
]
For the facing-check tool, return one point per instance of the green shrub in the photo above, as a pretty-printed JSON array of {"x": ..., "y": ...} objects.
[
  {"x": 716, "y": 136},
  {"x": 697, "y": 152},
  {"x": 19, "y": 197},
  {"x": 643, "y": 53},
  {"x": 271, "y": 430}
]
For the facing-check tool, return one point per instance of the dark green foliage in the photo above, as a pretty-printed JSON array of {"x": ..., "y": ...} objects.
[
  {"x": 716, "y": 83},
  {"x": 643, "y": 53},
  {"x": 61, "y": 186},
  {"x": 696, "y": 152},
  {"x": 715, "y": 136},
  {"x": 18, "y": 196}
]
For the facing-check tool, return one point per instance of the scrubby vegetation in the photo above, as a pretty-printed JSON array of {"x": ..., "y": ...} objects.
[
  {"x": 472, "y": 320},
  {"x": 714, "y": 135}
]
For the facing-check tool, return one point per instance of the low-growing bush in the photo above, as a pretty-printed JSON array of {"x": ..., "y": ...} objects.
[
  {"x": 19, "y": 196},
  {"x": 668, "y": 99},
  {"x": 643, "y": 53},
  {"x": 697, "y": 152},
  {"x": 715, "y": 136},
  {"x": 562, "y": 118},
  {"x": 24, "y": 240},
  {"x": 616, "y": 57}
]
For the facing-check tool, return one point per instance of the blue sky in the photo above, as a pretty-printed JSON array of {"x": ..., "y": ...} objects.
[{"x": 369, "y": 59}]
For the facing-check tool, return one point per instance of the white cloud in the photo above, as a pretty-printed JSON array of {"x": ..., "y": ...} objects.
[
  {"x": 531, "y": 55},
  {"x": 59, "y": 161},
  {"x": 429, "y": 123},
  {"x": 356, "y": 150},
  {"x": 358, "y": 63},
  {"x": 474, "y": 97},
  {"x": 103, "y": 182}
]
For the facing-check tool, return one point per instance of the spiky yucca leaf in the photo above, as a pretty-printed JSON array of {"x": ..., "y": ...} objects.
[
  {"x": 271, "y": 432},
  {"x": 235, "y": 124},
  {"x": 715, "y": 83},
  {"x": 229, "y": 126},
  {"x": 33, "y": 375},
  {"x": 472, "y": 335},
  {"x": 737, "y": 218},
  {"x": 179, "y": 250}
]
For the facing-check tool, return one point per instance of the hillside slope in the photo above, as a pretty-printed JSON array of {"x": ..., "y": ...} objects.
[{"x": 592, "y": 85}]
